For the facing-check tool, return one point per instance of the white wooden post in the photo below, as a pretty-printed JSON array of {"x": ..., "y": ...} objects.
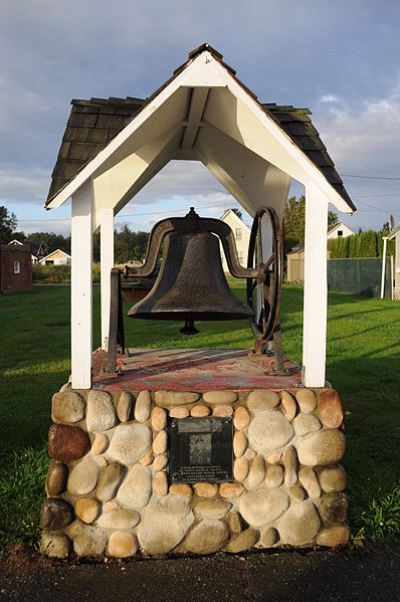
[
  {"x": 81, "y": 287},
  {"x": 106, "y": 264},
  {"x": 383, "y": 275},
  {"x": 315, "y": 288}
]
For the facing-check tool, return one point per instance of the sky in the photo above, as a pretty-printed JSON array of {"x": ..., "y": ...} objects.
[{"x": 340, "y": 59}]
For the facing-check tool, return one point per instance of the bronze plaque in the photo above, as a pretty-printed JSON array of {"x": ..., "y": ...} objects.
[{"x": 200, "y": 449}]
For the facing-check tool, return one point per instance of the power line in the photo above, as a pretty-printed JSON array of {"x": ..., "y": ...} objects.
[
  {"x": 62, "y": 219},
  {"x": 344, "y": 175}
]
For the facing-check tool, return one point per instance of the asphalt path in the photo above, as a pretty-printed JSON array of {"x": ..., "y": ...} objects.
[{"x": 283, "y": 576}]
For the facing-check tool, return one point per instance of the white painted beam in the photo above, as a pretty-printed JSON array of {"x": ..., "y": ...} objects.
[
  {"x": 197, "y": 104},
  {"x": 315, "y": 288},
  {"x": 106, "y": 264},
  {"x": 81, "y": 287}
]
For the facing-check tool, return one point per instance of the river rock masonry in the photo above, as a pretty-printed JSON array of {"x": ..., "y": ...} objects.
[{"x": 109, "y": 492}]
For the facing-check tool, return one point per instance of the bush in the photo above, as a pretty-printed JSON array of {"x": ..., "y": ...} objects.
[{"x": 58, "y": 274}]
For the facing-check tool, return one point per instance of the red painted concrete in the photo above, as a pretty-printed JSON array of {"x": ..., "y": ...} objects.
[{"x": 197, "y": 370}]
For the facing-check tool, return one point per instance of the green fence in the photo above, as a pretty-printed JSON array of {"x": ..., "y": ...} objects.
[{"x": 360, "y": 276}]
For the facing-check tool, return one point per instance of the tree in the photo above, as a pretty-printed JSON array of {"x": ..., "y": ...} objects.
[
  {"x": 8, "y": 223},
  {"x": 294, "y": 221}
]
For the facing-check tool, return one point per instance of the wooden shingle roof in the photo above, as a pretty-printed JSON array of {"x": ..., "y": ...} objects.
[{"x": 93, "y": 123}]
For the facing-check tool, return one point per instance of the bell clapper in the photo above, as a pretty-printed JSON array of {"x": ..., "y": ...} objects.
[{"x": 189, "y": 327}]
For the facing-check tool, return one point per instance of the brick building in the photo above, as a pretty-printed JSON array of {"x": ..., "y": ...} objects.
[{"x": 15, "y": 268}]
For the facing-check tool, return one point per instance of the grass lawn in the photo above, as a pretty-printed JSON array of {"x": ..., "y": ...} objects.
[{"x": 363, "y": 364}]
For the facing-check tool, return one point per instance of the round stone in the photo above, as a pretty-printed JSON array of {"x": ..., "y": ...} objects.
[
  {"x": 256, "y": 473},
  {"x": 220, "y": 397},
  {"x": 207, "y": 537},
  {"x": 67, "y": 407},
  {"x": 100, "y": 412},
  {"x": 333, "y": 508},
  {"x": 230, "y": 490},
  {"x": 55, "y": 545},
  {"x": 274, "y": 457},
  {"x": 234, "y": 523},
  {"x": 269, "y": 430},
  {"x": 160, "y": 483},
  {"x": 269, "y": 537},
  {"x": 87, "y": 509},
  {"x": 56, "y": 480},
  {"x": 289, "y": 405},
  {"x": 179, "y": 412},
  {"x": 289, "y": 460},
  {"x": 334, "y": 536},
  {"x": 213, "y": 509},
  {"x": 205, "y": 489},
  {"x": 160, "y": 462},
  {"x": 297, "y": 493},
  {"x": 101, "y": 461},
  {"x": 182, "y": 489},
  {"x": 239, "y": 443},
  {"x": 241, "y": 418},
  {"x": 262, "y": 399},
  {"x": 147, "y": 458},
  {"x": 240, "y": 469},
  {"x": 158, "y": 419},
  {"x": 165, "y": 522},
  {"x": 129, "y": 443},
  {"x": 135, "y": 491},
  {"x": 109, "y": 480},
  {"x": 160, "y": 443},
  {"x": 88, "y": 540},
  {"x": 309, "y": 480},
  {"x": 122, "y": 544},
  {"x": 305, "y": 424},
  {"x": 83, "y": 477},
  {"x": 169, "y": 399},
  {"x": 124, "y": 407},
  {"x": 333, "y": 479},
  {"x": 100, "y": 444},
  {"x": 199, "y": 410},
  {"x": 263, "y": 506},
  {"x": 56, "y": 514},
  {"x": 67, "y": 443},
  {"x": 330, "y": 408},
  {"x": 222, "y": 411},
  {"x": 249, "y": 454},
  {"x": 306, "y": 400},
  {"x": 143, "y": 406},
  {"x": 299, "y": 525},
  {"x": 110, "y": 506},
  {"x": 274, "y": 476},
  {"x": 325, "y": 447},
  {"x": 244, "y": 541},
  {"x": 119, "y": 519}
]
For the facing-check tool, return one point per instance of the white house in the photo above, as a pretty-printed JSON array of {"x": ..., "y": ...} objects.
[
  {"x": 203, "y": 113},
  {"x": 242, "y": 236},
  {"x": 57, "y": 257},
  {"x": 339, "y": 230}
]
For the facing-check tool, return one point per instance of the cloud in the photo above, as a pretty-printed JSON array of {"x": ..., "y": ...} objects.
[{"x": 328, "y": 98}]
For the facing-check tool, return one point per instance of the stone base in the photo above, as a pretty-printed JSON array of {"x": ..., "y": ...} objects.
[{"x": 108, "y": 489}]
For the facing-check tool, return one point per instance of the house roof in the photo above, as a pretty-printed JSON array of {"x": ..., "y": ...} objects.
[
  {"x": 338, "y": 225},
  {"x": 231, "y": 211},
  {"x": 393, "y": 233},
  {"x": 54, "y": 252},
  {"x": 94, "y": 123}
]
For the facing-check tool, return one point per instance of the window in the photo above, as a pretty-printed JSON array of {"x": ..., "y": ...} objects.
[
  {"x": 240, "y": 256},
  {"x": 238, "y": 233},
  {"x": 340, "y": 232},
  {"x": 17, "y": 267}
]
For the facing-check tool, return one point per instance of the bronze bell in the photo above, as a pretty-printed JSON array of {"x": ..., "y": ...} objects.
[{"x": 191, "y": 284}]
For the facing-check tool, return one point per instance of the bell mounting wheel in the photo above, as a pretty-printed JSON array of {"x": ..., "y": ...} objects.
[{"x": 264, "y": 292}]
